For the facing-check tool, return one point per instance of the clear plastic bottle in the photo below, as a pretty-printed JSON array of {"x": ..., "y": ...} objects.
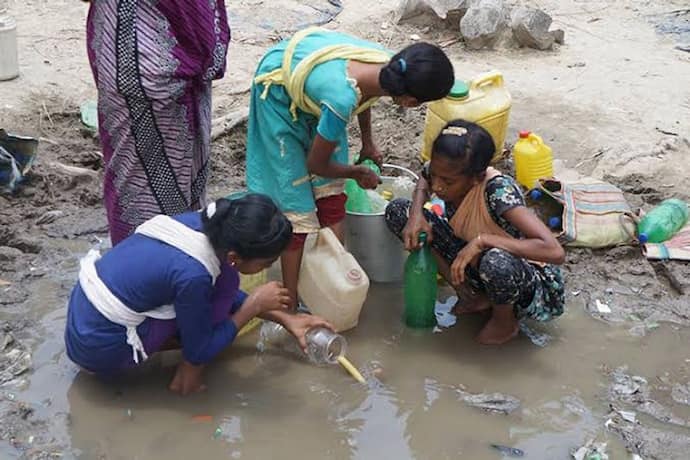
[{"x": 323, "y": 345}]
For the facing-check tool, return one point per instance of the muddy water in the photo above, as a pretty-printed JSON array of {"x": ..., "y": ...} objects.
[{"x": 265, "y": 404}]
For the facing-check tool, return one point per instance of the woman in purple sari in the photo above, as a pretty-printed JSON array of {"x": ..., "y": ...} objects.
[{"x": 153, "y": 62}]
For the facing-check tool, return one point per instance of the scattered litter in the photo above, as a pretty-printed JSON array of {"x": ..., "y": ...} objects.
[
  {"x": 89, "y": 114},
  {"x": 628, "y": 416},
  {"x": 49, "y": 217},
  {"x": 640, "y": 330},
  {"x": 448, "y": 42},
  {"x": 626, "y": 385},
  {"x": 74, "y": 171},
  {"x": 444, "y": 317},
  {"x": 217, "y": 433},
  {"x": 576, "y": 293},
  {"x": 14, "y": 363},
  {"x": 495, "y": 403},
  {"x": 509, "y": 451},
  {"x": 17, "y": 154},
  {"x": 540, "y": 339},
  {"x": 9, "y": 172},
  {"x": 635, "y": 390},
  {"x": 602, "y": 307},
  {"x": 5, "y": 283},
  {"x": 679, "y": 393},
  {"x": 202, "y": 418},
  {"x": 591, "y": 451},
  {"x": 415, "y": 37}
]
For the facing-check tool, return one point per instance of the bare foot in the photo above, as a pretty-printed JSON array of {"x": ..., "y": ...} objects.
[
  {"x": 497, "y": 332},
  {"x": 473, "y": 304}
]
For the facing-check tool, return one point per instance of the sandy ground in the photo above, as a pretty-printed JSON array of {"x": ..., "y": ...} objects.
[{"x": 613, "y": 102}]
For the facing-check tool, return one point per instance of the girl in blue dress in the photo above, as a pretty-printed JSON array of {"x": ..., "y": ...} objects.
[{"x": 176, "y": 281}]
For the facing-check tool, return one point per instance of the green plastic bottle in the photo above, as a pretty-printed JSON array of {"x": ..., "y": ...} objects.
[
  {"x": 662, "y": 222},
  {"x": 357, "y": 198},
  {"x": 420, "y": 286}
]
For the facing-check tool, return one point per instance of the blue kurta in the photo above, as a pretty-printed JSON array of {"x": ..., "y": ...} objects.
[{"x": 144, "y": 273}]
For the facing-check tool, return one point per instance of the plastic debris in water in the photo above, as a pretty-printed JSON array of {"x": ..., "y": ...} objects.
[
  {"x": 495, "y": 403},
  {"x": 509, "y": 451},
  {"x": 444, "y": 318},
  {"x": 537, "y": 338},
  {"x": 602, "y": 307},
  {"x": 591, "y": 451},
  {"x": 351, "y": 369}
]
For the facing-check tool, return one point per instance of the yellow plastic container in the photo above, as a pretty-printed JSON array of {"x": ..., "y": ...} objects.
[
  {"x": 248, "y": 283},
  {"x": 533, "y": 159},
  {"x": 485, "y": 101}
]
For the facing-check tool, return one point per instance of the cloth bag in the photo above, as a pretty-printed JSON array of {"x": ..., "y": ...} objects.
[{"x": 594, "y": 214}]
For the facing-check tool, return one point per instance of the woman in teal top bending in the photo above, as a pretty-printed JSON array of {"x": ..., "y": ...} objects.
[{"x": 305, "y": 92}]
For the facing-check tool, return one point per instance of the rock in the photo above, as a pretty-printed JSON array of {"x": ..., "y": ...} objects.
[
  {"x": 559, "y": 36},
  {"x": 8, "y": 254},
  {"x": 483, "y": 23},
  {"x": 441, "y": 8},
  {"x": 531, "y": 28}
]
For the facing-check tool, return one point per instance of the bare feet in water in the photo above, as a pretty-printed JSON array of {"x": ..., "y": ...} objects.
[
  {"x": 501, "y": 328},
  {"x": 473, "y": 304}
]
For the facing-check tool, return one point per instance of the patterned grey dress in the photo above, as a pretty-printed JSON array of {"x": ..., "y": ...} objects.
[{"x": 536, "y": 292}]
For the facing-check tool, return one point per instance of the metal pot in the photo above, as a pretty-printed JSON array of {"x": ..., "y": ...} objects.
[{"x": 378, "y": 251}]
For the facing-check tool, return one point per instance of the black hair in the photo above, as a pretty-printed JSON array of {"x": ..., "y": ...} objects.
[
  {"x": 252, "y": 226},
  {"x": 472, "y": 149},
  {"x": 421, "y": 70}
]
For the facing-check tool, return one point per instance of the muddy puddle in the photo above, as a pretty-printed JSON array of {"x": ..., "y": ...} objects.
[{"x": 261, "y": 404}]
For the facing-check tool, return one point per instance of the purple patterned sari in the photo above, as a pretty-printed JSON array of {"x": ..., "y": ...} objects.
[{"x": 153, "y": 62}]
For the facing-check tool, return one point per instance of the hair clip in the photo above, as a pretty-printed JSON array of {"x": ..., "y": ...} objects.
[
  {"x": 211, "y": 209},
  {"x": 455, "y": 131}
]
